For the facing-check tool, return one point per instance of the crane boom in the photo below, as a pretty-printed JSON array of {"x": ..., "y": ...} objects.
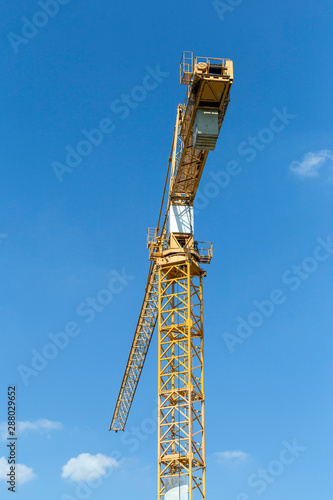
[
  {"x": 209, "y": 82},
  {"x": 142, "y": 337}
]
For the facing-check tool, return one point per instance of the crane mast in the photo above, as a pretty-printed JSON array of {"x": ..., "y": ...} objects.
[{"x": 173, "y": 295}]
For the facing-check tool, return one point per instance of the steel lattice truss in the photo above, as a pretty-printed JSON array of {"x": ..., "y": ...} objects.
[
  {"x": 181, "y": 459},
  {"x": 141, "y": 342}
]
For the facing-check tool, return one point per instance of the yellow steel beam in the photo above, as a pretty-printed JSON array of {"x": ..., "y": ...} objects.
[{"x": 181, "y": 449}]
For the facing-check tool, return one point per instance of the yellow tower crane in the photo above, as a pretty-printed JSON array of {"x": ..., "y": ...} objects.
[{"x": 173, "y": 294}]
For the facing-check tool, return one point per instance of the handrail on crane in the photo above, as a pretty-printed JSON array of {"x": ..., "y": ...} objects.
[
  {"x": 208, "y": 65},
  {"x": 205, "y": 251}
]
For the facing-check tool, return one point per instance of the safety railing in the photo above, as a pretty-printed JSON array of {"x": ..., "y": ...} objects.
[
  {"x": 210, "y": 61},
  {"x": 188, "y": 65},
  {"x": 151, "y": 236},
  {"x": 205, "y": 251},
  {"x": 186, "y": 68}
]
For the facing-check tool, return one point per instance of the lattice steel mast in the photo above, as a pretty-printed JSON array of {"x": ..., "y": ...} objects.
[{"x": 173, "y": 294}]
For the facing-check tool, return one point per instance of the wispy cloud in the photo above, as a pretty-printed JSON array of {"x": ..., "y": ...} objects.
[
  {"x": 312, "y": 163},
  {"x": 233, "y": 457},
  {"x": 86, "y": 467},
  {"x": 23, "y": 473},
  {"x": 42, "y": 426}
]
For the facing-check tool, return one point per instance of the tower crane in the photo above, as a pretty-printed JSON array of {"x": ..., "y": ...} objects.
[{"x": 173, "y": 294}]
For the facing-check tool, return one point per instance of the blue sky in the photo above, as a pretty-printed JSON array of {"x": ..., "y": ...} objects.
[{"x": 65, "y": 237}]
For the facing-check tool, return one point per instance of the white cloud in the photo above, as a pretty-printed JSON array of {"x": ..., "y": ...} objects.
[
  {"x": 231, "y": 457},
  {"x": 41, "y": 426},
  {"x": 312, "y": 163},
  {"x": 86, "y": 467},
  {"x": 23, "y": 474}
]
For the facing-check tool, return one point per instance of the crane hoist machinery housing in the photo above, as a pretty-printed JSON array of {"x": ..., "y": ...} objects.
[{"x": 173, "y": 293}]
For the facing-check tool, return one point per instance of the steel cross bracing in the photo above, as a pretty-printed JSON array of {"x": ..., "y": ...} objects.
[
  {"x": 181, "y": 430},
  {"x": 204, "y": 90}
]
